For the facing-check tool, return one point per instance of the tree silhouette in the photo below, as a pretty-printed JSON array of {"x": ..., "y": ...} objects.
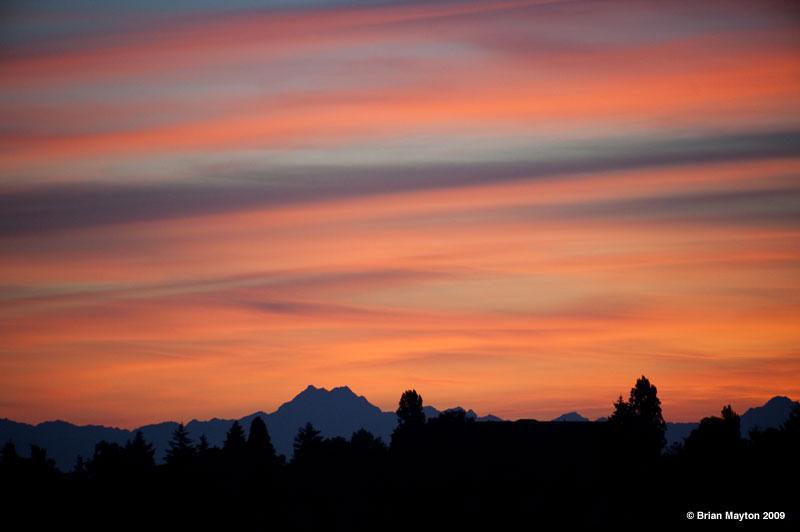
[
  {"x": 259, "y": 443},
  {"x": 363, "y": 441},
  {"x": 9, "y": 454},
  {"x": 409, "y": 411},
  {"x": 108, "y": 461},
  {"x": 640, "y": 417},
  {"x": 40, "y": 465},
  {"x": 79, "y": 468},
  {"x": 27, "y": 476},
  {"x": 234, "y": 441},
  {"x": 11, "y": 463},
  {"x": 451, "y": 418},
  {"x": 307, "y": 444},
  {"x": 202, "y": 445},
  {"x": 410, "y": 419},
  {"x": 792, "y": 424},
  {"x": 716, "y": 439},
  {"x": 139, "y": 453},
  {"x": 181, "y": 449},
  {"x": 584, "y": 472},
  {"x": 39, "y": 458},
  {"x": 733, "y": 422}
]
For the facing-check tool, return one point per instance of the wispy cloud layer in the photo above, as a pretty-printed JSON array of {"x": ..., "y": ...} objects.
[{"x": 518, "y": 206}]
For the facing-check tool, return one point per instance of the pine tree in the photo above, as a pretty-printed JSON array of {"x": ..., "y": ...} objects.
[
  {"x": 181, "y": 449},
  {"x": 307, "y": 444},
  {"x": 9, "y": 453},
  {"x": 234, "y": 441},
  {"x": 139, "y": 453},
  {"x": 202, "y": 445},
  {"x": 79, "y": 470}
]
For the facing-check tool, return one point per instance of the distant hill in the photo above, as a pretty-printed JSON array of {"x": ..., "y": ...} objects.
[
  {"x": 63, "y": 441},
  {"x": 677, "y": 432},
  {"x": 770, "y": 415},
  {"x": 336, "y": 412}
]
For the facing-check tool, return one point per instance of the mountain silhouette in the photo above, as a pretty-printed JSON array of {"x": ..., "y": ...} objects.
[
  {"x": 571, "y": 416},
  {"x": 338, "y": 412},
  {"x": 335, "y": 412},
  {"x": 677, "y": 432},
  {"x": 772, "y": 414},
  {"x": 64, "y": 441}
]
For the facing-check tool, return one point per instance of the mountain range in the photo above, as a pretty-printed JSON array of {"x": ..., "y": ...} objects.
[{"x": 335, "y": 412}]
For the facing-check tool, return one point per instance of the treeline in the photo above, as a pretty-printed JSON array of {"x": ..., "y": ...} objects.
[{"x": 447, "y": 472}]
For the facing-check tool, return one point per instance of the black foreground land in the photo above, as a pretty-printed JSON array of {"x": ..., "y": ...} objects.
[{"x": 446, "y": 473}]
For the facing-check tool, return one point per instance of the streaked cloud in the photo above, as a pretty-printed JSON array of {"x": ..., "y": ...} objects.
[{"x": 515, "y": 206}]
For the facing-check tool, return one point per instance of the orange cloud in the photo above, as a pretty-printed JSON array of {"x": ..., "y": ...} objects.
[{"x": 522, "y": 295}]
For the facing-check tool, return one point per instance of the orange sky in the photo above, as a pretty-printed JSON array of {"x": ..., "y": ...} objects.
[{"x": 518, "y": 207}]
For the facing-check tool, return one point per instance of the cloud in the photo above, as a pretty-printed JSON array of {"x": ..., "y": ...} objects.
[
  {"x": 60, "y": 207},
  {"x": 517, "y": 205}
]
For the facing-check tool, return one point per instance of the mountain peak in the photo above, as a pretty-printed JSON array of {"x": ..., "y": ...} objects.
[
  {"x": 310, "y": 391},
  {"x": 771, "y": 414},
  {"x": 337, "y": 399},
  {"x": 571, "y": 416},
  {"x": 314, "y": 392},
  {"x": 779, "y": 400}
]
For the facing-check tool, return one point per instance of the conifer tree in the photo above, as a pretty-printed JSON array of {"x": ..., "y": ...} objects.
[{"x": 181, "y": 449}]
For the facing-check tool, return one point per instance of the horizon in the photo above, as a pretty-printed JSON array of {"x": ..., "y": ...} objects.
[
  {"x": 440, "y": 408},
  {"x": 516, "y": 207}
]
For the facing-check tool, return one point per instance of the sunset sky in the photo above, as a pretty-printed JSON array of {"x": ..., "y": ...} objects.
[{"x": 514, "y": 206}]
